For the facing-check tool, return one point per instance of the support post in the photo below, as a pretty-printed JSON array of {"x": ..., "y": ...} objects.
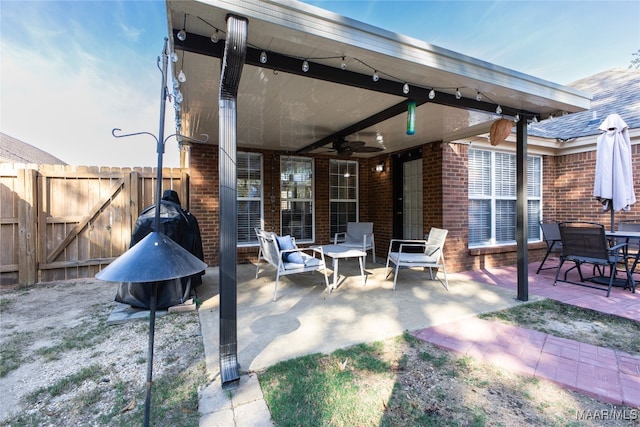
[
  {"x": 521, "y": 210},
  {"x": 232, "y": 63}
]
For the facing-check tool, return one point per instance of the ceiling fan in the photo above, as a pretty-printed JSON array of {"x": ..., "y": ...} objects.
[{"x": 346, "y": 148}]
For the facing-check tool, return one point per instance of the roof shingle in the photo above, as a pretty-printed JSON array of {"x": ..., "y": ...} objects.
[
  {"x": 13, "y": 150},
  {"x": 613, "y": 91}
]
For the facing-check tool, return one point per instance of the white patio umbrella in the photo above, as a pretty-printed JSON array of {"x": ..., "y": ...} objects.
[{"x": 613, "y": 185}]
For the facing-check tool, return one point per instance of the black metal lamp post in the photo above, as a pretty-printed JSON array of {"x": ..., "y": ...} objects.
[{"x": 156, "y": 258}]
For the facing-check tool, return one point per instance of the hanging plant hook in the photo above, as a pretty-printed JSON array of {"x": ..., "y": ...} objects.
[{"x": 113, "y": 132}]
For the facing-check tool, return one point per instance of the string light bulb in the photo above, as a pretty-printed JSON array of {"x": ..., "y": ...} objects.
[
  {"x": 498, "y": 110},
  {"x": 405, "y": 88},
  {"x": 517, "y": 118},
  {"x": 478, "y": 96},
  {"x": 305, "y": 66},
  {"x": 432, "y": 94},
  {"x": 263, "y": 57},
  {"x": 376, "y": 77},
  {"x": 344, "y": 64},
  {"x": 174, "y": 57},
  {"x": 458, "y": 94},
  {"x": 182, "y": 77},
  {"x": 214, "y": 37},
  {"x": 182, "y": 34}
]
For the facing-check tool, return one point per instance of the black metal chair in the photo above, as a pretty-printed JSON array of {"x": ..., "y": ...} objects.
[
  {"x": 586, "y": 243},
  {"x": 551, "y": 236},
  {"x": 633, "y": 249}
]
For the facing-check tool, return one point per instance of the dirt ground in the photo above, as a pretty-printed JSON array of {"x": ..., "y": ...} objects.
[{"x": 62, "y": 364}]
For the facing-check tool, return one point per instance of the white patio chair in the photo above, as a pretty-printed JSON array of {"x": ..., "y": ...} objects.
[
  {"x": 359, "y": 235},
  {"x": 283, "y": 254},
  {"x": 419, "y": 253}
]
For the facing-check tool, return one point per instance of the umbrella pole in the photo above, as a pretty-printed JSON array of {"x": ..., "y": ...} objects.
[
  {"x": 612, "y": 218},
  {"x": 152, "y": 324}
]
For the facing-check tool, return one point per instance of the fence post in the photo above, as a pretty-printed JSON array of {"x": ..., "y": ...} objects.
[
  {"x": 134, "y": 199},
  {"x": 27, "y": 226}
]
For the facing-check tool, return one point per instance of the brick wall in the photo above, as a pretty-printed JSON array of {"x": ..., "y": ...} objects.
[
  {"x": 574, "y": 177},
  {"x": 567, "y": 194}
]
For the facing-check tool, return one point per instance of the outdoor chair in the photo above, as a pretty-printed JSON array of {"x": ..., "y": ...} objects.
[
  {"x": 551, "y": 236},
  {"x": 633, "y": 248},
  {"x": 419, "y": 253},
  {"x": 586, "y": 243},
  {"x": 283, "y": 254},
  {"x": 359, "y": 235}
]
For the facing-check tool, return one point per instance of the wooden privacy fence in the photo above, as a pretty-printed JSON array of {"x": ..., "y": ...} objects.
[{"x": 67, "y": 222}]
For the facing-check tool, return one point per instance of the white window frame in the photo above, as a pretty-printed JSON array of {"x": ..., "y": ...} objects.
[
  {"x": 493, "y": 184},
  {"x": 245, "y": 196},
  {"x": 287, "y": 197},
  {"x": 346, "y": 174}
]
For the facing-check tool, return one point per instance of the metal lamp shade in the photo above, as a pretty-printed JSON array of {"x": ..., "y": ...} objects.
[{"x": 155, "y": 258}]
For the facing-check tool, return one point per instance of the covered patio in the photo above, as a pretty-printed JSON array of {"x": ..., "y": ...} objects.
[
  {"x": 321, "y": 86},
  {"x": 300, "y": 85}
]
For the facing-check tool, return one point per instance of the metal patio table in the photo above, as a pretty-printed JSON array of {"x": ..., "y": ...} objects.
[{"x": 337, "y": 252}]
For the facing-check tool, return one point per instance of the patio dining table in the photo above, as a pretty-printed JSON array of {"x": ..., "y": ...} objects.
[{"x": 625, "y": 236}]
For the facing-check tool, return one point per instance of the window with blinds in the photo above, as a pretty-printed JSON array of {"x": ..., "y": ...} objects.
[
  {"x": 343, "y": 194},
  {"x": 296, "y": 198},
  {"x": 493, "y": 195},
  {"x": 250, "y": 197}
]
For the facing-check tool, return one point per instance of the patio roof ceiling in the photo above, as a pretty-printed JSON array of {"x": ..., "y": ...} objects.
[{"x": 282, "y": 107}]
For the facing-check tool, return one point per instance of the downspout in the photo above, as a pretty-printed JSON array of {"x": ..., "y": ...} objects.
[{"x": 232, "y": 63}]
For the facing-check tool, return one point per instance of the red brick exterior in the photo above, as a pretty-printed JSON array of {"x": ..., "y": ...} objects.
[{"x": 567, "y": 195}]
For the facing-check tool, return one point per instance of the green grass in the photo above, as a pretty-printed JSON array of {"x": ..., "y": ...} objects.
[
  {"x": 79, "y": 337},
  {"x": 605, "y": 330},
  {"x": 12, "y": 353},
  {"x": 364, "y": 386},
  {"x": 5, "y": 304},
  {"x": 66, "y": 383},
  {"x": 344, "y": 388}
]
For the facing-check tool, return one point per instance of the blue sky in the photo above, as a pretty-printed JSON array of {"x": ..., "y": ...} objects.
[{"x": 70, "y": 71}]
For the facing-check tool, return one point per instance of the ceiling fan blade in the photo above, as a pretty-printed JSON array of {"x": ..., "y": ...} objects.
[
  {"x": 353, "y": 145},
  {"x": 368, "y": 149}
]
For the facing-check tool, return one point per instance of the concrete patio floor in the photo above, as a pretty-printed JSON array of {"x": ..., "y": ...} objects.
[{"x": 306, "y": 319}]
